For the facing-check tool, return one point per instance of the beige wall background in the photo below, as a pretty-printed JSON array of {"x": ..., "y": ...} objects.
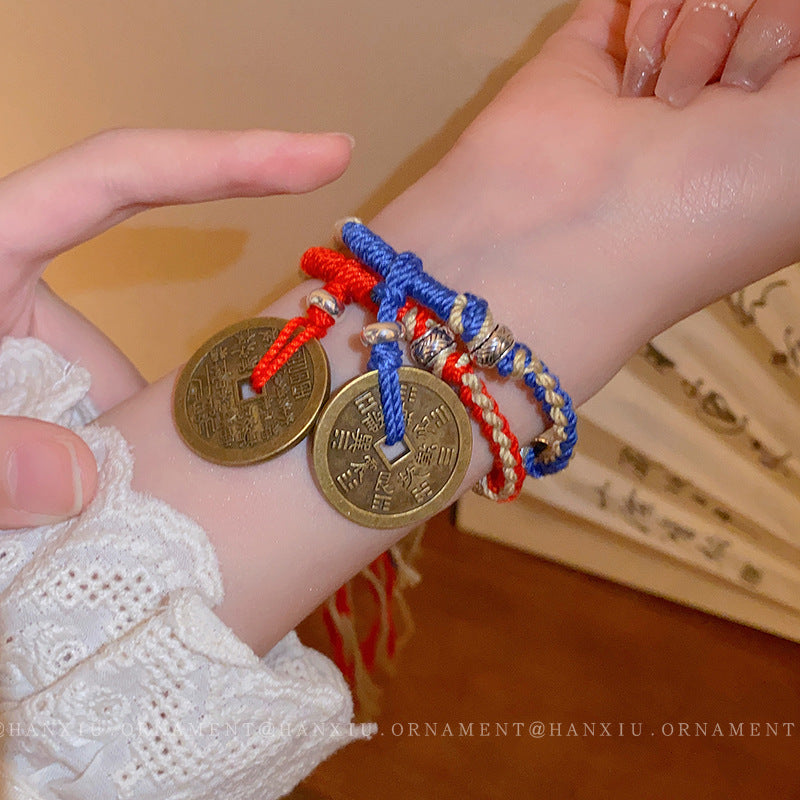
[{"x": 403, "y": 78}]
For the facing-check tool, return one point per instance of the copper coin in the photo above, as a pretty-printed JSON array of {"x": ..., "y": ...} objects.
[
  {"x": 224, "y": 420},
  {"x": 382, "y": 487}
]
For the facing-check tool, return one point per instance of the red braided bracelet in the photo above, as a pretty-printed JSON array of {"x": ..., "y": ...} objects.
[{"x": 347, "y": 280}]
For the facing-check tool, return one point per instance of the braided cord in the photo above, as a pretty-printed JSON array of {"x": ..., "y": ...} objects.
[
  {"x": 354, "y": 282},
  {"x": 390, "y": 295},
  {"x": 470, "y": 318},
  {"x": 294, "y": 335},
  {"x": 504, "y": 481},
  {"x": 298, "y": 331},
  {"x": 350, "y": 281}
]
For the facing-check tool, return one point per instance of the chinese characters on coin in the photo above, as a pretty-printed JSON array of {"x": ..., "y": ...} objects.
[
  {"x": 383, "y": 487},
  {"x": 224, "y": 420}
]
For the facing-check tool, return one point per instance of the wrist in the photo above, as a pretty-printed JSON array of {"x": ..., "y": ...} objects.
[{"x": 547, "y": 269}]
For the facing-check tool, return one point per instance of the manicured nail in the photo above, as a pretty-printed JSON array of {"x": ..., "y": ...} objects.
[
  {"x": 43, "y": 478},
  {"x": 760, "y": 48},
  {"x": 646, "y": 54},
  {"x": 698, "y": 51}
]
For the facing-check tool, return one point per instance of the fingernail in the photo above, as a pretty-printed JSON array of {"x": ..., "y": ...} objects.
[
  {"x": 698, "y": 50},
  {"x": 43, "y": 478},
  {"x": 760, "y": 48},
  {"x": 350, "y": 138},
  {"x": 646, "y": 53},
  {"x": 641, "y": 69}
]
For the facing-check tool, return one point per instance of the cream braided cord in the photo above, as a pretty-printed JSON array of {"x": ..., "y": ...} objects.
[
  {"x": 557, "y": 433},
  {"x": 482, "y": 400}
]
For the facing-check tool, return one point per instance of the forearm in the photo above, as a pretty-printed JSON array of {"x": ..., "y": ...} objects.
[
  {"x": 582, "y": 254},
  {"x": 282, "y": 548}
]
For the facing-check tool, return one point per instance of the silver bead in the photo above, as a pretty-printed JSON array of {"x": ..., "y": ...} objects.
[
  {"x": 325, "y": 301},
  {"x": 434, "y": 341},
  {"x": 382, "y": 332},
  {"x": 337, "y": 229},
  {"x": 493, "y": 348}
]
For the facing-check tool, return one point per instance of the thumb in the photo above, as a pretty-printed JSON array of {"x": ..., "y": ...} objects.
[{"x": 47, "y": 473}]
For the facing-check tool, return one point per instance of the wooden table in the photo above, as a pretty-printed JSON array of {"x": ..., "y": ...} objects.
[{"x": 507, "y": 640}]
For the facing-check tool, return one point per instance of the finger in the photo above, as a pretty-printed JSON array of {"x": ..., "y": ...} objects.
[
  {"x": 47, "y": 473},
  {"x": 769, "y": 36},
  {"x": 697, "y": 48},
  {"x": 85, "y": 189},
  {"x": 590, "y": 44},
  {"x": 645, "y": 34}
]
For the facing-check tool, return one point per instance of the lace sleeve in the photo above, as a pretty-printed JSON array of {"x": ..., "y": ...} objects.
[{"x": 116, "y": 678}]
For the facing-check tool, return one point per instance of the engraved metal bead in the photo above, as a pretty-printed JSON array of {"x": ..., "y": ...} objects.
[
  {"x": 325, "y": 301},
  {"x": 382, "y": 332},
  {"x": 434, "y": 341},
  {"x": 493, "y": 348}
]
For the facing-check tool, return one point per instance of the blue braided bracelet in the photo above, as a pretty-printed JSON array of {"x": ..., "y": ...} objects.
[{"x": 470, "y": 318}]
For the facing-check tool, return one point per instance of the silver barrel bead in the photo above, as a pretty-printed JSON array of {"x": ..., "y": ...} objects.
[
  {"x": 382, "y": 332},
  {"x": 325, "y": 301},
  {"x": 431, "y": 344},
  {"x": 493, "y": 348}
]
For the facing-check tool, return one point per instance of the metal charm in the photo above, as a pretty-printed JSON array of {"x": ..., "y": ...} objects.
[
  {"x": 381, "y": 487},
  {"x": 221, "y": 417},
  {"x": 436, "y": 340},
  {"x": 337, "y": 230},
  {"x": 493, "y": 348},
  {"x": 326, "y": 301},
  {"x": 382, "y": 332},
  {"x": 543, "y": 447}
]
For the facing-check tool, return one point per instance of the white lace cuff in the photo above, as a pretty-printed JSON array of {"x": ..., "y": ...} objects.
[{"x": 116, "y": 678}]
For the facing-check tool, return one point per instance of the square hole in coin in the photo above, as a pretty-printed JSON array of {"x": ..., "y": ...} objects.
[
  {"x": 391, "y": 454},
  {"x": 246, "y": 390}
]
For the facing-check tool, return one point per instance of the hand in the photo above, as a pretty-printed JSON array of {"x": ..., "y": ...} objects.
[
  {"x": 592, "y": 222},
  {"x": 675, "y": 48},
  {"x": 46, "y": 472}
]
